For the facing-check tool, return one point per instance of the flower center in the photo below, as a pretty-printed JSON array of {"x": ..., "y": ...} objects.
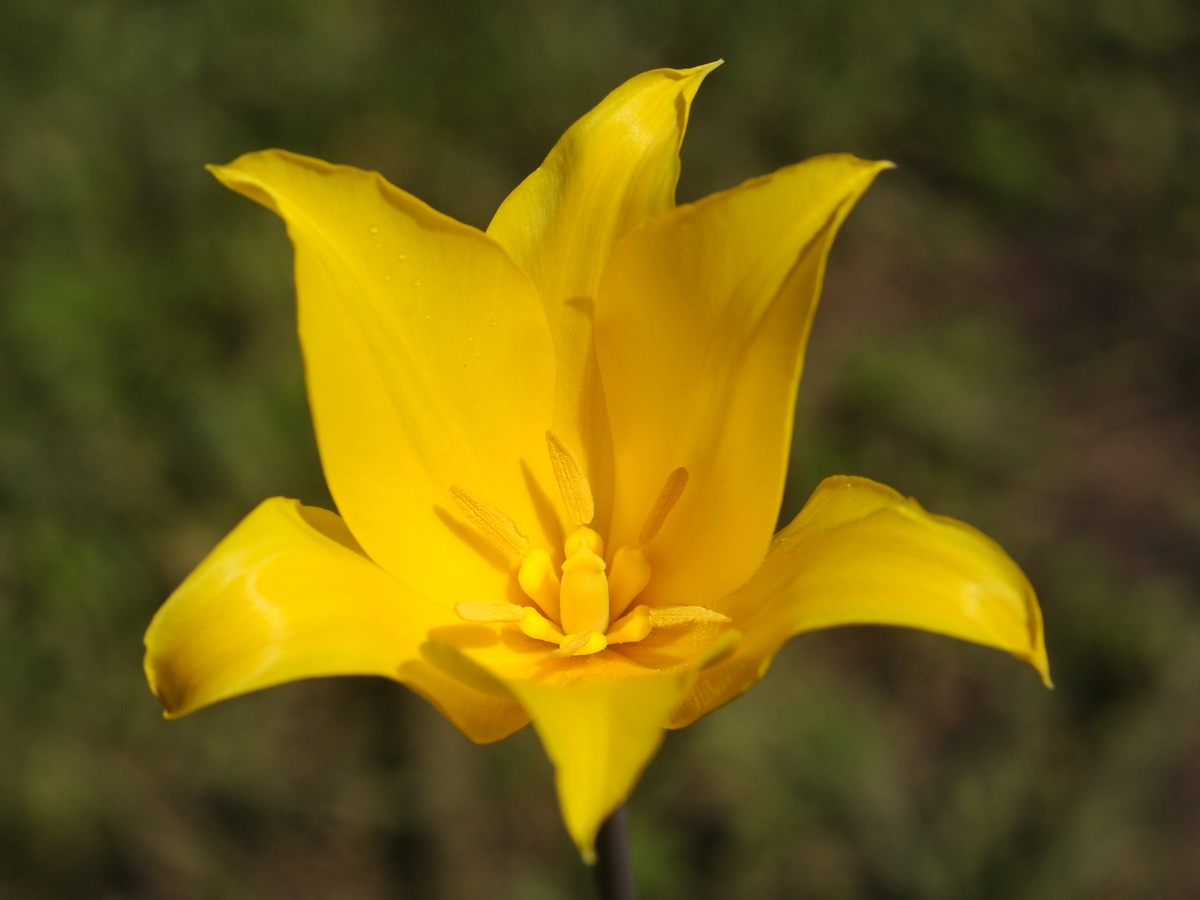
[{"x": 581, "y": 607}]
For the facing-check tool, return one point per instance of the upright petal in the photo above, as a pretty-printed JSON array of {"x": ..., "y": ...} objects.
[
  {"x": 428, "y": 364},
  {"x": 861, "y": 554},
  {"x": 701, "y": 322},
  {"x": 289, "y": 594},
  {"x": 601, "y": 717},
  {"x": 613, "y": 170}
]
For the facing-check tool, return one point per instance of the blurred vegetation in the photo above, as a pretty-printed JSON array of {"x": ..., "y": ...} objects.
[{"x": 1010, "y": 332}]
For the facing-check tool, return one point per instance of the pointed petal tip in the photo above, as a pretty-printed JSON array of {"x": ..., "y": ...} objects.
[
  {"x": 257, "y": 174},
  {"x": 584, "y": 835},
  {"x": 869, "y": 167},
  {"x": 234, "y": 176},
  {"x": 695, "y": 76},
  {"x": 226, "y": 172},
  {"x": 699, "y": 72},
  {"x": 875, "y": 166},
  {"x": 221, "y": 171},
  {"x": 1041, "y": 664}
]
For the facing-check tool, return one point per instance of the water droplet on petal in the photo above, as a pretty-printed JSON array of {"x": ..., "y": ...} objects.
[
  {"x": 387, "y": 277},
  {"x": 374, "y": 229},
  {"x": 417, "y": 283},
  {"x": 401, "y": 256}
]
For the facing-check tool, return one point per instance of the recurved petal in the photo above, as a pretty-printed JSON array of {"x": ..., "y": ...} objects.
[
  {"x": 611, "y": 171},
  {"x": 428, "y": 364},
  {"x": 861, "y": 554},
  {"x": 701, "y": 322},
  {"x": 289, "y": 594},
  {"x": 601, "y": 717}
]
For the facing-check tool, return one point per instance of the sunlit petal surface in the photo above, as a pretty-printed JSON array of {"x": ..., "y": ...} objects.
[
  {"x": 610, "y": 172},
  {"x": 289, "y": 594},
  {"x": 701, "y": 324},
  {"x": 861, "y": 554},
  {"x": 428, "y": 364}
]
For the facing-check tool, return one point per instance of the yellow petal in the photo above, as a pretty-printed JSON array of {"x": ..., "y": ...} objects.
[
  {"x": 613, "y": 170},
  {"x": 600, "y": 717},
  {"x": 600, "y": 735},
  {"x": 701, "y": 322},
  {"x": 288, "y": 594},
  {"x": 861, "y": 554},
  {"x": 428, "y": 364}
]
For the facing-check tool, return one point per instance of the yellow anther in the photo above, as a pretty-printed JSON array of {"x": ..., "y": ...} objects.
[
  {"x": 489, "y": 611},
  {"x": 538, "y": 581},
  {"x": 539, "y": 627},
  {"x": 581, "y": 644},
  {"x": 628, "y": 577},
  {"x": 583, "y": 538},
  {"x": 495, "y": 524},
  {"x": 632, "y": 627},
  {"x": 666, "y": 616},
  {"x": 572, "y": 481},
  {"x": 583, "y": 597},
  {"x": 667, "y": 498}
]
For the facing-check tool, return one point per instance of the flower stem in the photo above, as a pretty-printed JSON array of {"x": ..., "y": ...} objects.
[{"x": 613, "y": 871}]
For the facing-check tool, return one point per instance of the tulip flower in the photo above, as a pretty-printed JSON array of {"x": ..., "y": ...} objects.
[{"x": 558, "y": 451}]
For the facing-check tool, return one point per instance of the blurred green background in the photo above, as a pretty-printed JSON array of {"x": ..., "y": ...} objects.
[{"x": 1010, "y": 332}]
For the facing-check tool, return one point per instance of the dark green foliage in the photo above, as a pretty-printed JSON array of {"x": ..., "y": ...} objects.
[{"x": 1011, "y": 332}]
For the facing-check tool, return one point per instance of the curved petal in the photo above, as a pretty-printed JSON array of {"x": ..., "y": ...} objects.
[
  {"x": 701, "y": 323},
  {"x": 288, "y": 594},
  {"x": 428, "y": 364},
  {"x": 611, "y": 171},
  {"x": 861, "y": 554},
  {"x": 601, "y": 717}
]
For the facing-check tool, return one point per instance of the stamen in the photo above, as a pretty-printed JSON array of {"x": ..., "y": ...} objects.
[
  {"x": 667, "y": 498},
  {"x": 631, "y": 628},
  {"x": 576, "y": 642},
  {"x": 582, "y": 644},
  {"x": 667, "y": 616},
  {"x": 489, "y": 611},
  {"x": 572, "y": 481},
  {"x": 628, "y": 577},
  {"x": 495, "y": 524},
  {"x": 538, "y": 581},
  {"x": 539, "y": 627}
]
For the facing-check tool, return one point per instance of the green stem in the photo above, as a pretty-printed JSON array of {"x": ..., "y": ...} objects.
[{"x": 613, "y": 871}]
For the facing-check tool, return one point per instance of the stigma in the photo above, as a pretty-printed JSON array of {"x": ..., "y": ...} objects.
[{"x": 584, "y": 605}]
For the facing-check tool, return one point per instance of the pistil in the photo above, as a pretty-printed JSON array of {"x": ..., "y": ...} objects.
[
  {"x": 539, "y": 582},
  {"x": 583, "y": 598}
]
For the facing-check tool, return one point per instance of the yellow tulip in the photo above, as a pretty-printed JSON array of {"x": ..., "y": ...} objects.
[{"x": 558, "y": 448}]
